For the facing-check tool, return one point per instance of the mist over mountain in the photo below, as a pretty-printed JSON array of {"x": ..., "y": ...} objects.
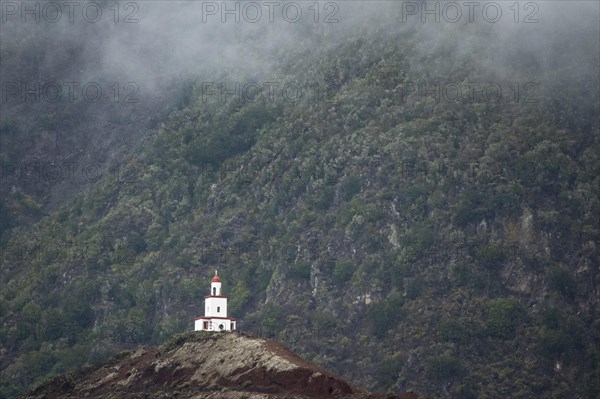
[
  {"x": 406, "y": 193},
  {"x": 96, "y": 75}
]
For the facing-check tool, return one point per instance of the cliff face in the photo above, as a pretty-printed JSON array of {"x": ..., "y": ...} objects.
[{"x": 202, "y": 365}]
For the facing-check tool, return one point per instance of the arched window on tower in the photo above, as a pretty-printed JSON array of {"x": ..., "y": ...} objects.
[{"x": 214, "y": 290}]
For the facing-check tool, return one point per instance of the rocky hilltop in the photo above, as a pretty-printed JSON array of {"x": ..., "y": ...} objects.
[{"x": 202, "y": 365}]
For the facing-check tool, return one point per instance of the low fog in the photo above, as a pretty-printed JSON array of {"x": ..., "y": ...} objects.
[{"x": 153, "y": 43}]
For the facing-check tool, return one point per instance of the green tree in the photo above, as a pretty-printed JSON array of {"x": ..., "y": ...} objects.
[
  {"x": 343, "y": 271},
  {"x": 503, "y": 318}
]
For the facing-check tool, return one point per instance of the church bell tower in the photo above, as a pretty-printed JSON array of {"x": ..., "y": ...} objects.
[{"x": 215, "y": 310}]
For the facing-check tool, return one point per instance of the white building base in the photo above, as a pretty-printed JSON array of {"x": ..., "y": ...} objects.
[{"x": 214, "y": 324}]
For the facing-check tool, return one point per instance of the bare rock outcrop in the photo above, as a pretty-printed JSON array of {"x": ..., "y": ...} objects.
[{"x": 203, "y": 365}]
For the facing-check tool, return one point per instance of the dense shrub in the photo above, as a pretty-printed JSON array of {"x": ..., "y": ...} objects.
[
  {"x": 562, "y": 281},
  {"x": 343, "y": 271},
  {"x": 444, "y": 367},
  {"x": 503, "y": 318},
  {"x": 385, "y": 314}
]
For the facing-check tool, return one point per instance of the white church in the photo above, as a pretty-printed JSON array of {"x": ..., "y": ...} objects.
[{"x": 215, "y": 310}]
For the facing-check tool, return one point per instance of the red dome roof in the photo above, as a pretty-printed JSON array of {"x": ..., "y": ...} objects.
[{"x": 216, "y": 279}]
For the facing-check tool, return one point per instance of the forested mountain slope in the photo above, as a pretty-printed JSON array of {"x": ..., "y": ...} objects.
[{"x": 381, "y": 225}]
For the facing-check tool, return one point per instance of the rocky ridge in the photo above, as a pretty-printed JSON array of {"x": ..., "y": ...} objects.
[{"x": 204, "y": 365}]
